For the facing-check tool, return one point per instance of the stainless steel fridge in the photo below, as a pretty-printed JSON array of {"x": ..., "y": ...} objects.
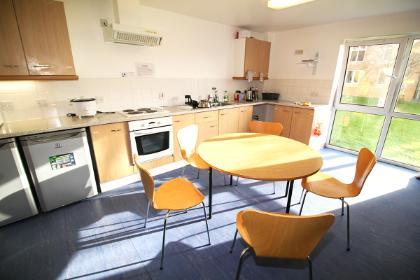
[{"x": 16, "y": 199}]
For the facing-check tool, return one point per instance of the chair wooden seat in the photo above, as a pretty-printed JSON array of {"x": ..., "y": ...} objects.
[
  {"x": 324, "y": 185},
  {"x": 174, "y": 195},
  {"x": 327, "y": 186},
  {"x": 177, "y": 194},
  {"x": 196, "y": 161},
  {"x": 280, "y": 236}
]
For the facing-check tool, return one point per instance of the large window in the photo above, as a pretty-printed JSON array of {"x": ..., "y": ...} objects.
[{"x": 378, "y": 103}]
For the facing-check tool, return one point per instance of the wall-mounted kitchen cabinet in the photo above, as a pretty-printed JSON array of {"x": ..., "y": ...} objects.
[
  {"x": 111, "y": 145},
  {"x": 251, "y": 55},
  {"x": 34, "y": 41},
  {"x": 297, "y": 122}
]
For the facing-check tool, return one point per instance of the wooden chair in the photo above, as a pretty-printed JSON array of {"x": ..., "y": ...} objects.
[
  {"x": 273, "y": 128},
  {"x": 174, "y": 195},
  {"x": 280, "y": 236},
  {"x": 187, "y": 139},
  {"x": 327, "y": 186}
]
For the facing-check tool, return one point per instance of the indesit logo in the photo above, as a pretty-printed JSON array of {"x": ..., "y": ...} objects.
[{"x": 58, "y": 146}]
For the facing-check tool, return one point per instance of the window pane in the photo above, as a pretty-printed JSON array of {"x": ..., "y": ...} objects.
[
  {"x": 353, "y": 130},
  {"x": 409, "y": 95},
  {"x": 402, "y": 143},
  {"x": 367, "y": 63}
]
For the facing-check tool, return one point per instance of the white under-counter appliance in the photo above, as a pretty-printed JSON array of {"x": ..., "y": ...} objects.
[
  {"x": 151, "y": 138},
  {"x": 16, "y": 200},
  {"x": 61, "y": 167}
]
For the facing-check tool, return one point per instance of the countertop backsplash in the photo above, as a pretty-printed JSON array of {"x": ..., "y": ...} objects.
[{"x": 22, "y": 100}]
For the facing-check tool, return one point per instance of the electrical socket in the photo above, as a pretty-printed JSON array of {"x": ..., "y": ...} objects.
[{"x": 127, "y": 74}]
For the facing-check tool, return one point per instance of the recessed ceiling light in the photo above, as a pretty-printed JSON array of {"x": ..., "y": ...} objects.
[{"x": 283, "y": 4}]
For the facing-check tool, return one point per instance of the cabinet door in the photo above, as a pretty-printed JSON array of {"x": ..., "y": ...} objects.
[
  {"x": 12, "y": 58},
  {"x": 178, "y": 123},
  {"x": 111, "y": 144},
  {"x": 252, "y": 56},
  {"x": 283, "y": 114},
  {"x": 264, "y": 57},
  {"x": 301, "y": 126},
  {"x": 245, "y": 116},
  {"x": 207, "y": 130},
  {"x": 45, "y": 38},
  {"x": 228, "y": 120}
]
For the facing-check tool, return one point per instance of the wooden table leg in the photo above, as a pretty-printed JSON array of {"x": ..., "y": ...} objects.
[
  {"x": 289, "y": 198},
  {"x": 210, "y": 191}
]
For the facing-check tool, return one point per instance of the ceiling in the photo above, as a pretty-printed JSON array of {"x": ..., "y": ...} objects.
[{"x": 254, "y": 14}]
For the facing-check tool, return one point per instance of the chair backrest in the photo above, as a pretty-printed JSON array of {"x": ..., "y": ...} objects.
[
  {"x": 187, "y": 139},
  {"x": 366, "y": 160},
  {"x": 282, "y": 236},
  {"x": 146, "y": 179},
  {"x": 274, "y": 128}
]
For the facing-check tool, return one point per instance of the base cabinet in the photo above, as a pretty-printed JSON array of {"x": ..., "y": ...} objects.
[
  {"x": 208, "y": 125},
  {"x": 301, "y": 126},
  {"x": 284, "y": 114},
  {"x": 111, "y": 145},
  {"x": 297, "y": 122},
  {"x": 245, "y": 116},
  {"x": 228, "y": 120},
  {"x": 178, "y": 123}
]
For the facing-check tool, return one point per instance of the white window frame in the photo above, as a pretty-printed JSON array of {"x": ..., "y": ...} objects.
[
  {"x": 405, "y": 43},
  {"x": 353, "y": 81}
]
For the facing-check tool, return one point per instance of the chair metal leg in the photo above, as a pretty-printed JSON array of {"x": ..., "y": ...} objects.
[
  {"x": 147, "y": 213},
  {"x": 274, "y": 187},
  {"x": 198, "y": 173},
  {"x": 234, "y": 240},
  {"x": 237, "y": 180},
  {"x": 183, "y": 171},
  {"x": 310, "y": 267},
  {"x": 301, "y": 195},
  {"x": 231, "y": 180},
  {"x": 348, "y": 224},
  {"x": 342, "y": 206},
  {"x": 303, "y": 202},
  {"x": 163, "y": 240},
  {"x": 244, "y": 254},
  {"x": 207, "y": 225}
]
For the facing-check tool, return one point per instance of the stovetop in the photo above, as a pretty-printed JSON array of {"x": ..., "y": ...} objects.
[{"x": 141, "y": 111}]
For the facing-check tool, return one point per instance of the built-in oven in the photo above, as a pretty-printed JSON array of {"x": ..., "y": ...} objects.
[{"x": 151, "y": 138}]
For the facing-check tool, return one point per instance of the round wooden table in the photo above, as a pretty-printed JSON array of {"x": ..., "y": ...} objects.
[{"x": 261, "y": 157}]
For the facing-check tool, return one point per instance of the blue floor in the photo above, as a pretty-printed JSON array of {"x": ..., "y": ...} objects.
[{"x": 103, "y": 238}]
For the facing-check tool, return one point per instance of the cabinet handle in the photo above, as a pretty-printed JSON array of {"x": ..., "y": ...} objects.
[
  {"x": 177, "y": 121},
  {"x": 42, "y": 66},
  {"x": 212, "y": 126},
  {"x": 10, "y": 65},
  {"x": 222, "y": 114},
  {"x": 205, "y": 117},
  {"x": 115, "y": 130}
]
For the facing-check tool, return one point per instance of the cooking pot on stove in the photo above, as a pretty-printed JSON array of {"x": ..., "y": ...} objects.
[{"x": 84, "y": 107}]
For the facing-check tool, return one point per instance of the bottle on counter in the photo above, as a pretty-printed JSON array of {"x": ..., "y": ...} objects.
[{"x": 225, "y": 96}]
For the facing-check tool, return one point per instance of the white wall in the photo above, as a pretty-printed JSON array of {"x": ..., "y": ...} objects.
[
  {"x": 195, "y": 55},
  {"x": 295, "y": 81}
]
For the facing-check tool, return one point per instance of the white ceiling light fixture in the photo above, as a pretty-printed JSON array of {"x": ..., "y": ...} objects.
[{"x": 283, "y": 4}]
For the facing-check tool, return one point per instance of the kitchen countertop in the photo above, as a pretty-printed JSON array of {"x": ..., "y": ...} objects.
[{"x": 42, "y": 125}]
